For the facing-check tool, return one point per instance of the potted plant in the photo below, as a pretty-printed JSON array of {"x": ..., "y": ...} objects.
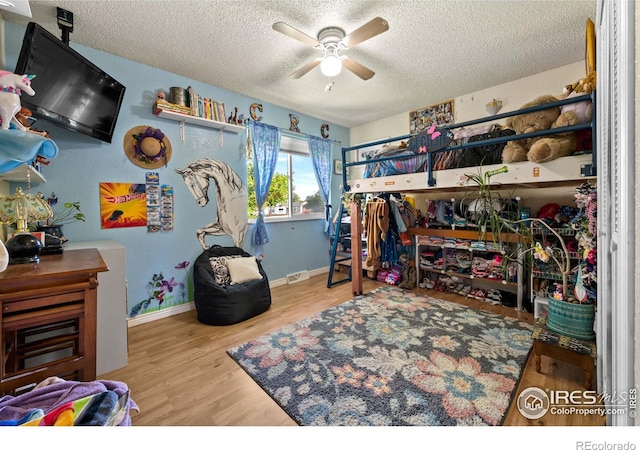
[
  {"x": 69, "y": 213},
  {"x": 571, "y": 311}
]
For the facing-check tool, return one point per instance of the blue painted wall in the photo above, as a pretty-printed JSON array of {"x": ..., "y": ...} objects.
[{"x": 83, "y": 162}]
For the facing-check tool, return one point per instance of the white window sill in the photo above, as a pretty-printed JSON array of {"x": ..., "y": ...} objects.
[{"x": 290, "y": 219}]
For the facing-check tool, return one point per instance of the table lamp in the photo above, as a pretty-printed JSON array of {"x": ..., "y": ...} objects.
[{"x": 22, "y": 209}]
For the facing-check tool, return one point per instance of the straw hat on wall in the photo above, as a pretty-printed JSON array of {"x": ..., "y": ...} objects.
[{"x": 147, "y": 147}]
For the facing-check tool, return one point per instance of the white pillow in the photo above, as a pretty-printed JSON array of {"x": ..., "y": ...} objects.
[
  {"x": 219, "y": 267},
  {"x": 243, "y": 269}
]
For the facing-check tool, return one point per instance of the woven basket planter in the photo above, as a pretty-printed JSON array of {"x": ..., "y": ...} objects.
[{"x": 571, "y": 319}]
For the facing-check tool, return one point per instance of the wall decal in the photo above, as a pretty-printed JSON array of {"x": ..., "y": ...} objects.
[
  {"x": 324, "y": 130},
  {"x": 231, "y": 198},
  {"x": 122, "y": 205},
  {"x": 295, "y": 120},
  {"x": 164, "y": 292},
  {"x": 252, "y": 111}
]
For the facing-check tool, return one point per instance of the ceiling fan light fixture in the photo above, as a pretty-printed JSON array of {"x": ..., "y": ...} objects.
[{"x": 331, "y": 65}]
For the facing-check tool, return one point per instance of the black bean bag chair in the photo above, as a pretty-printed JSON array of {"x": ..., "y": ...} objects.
[{"x": 220, "y": 300}]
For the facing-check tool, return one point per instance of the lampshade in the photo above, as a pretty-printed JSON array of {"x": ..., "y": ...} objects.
[
  {"x": 331, "y": 64},
  {"x": 21, "y": 209}
]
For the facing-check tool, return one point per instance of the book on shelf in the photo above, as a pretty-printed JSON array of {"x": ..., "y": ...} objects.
[
  {"x": 204, "y": 107},
  {"x": 163, "y": 105},
  {"x": 221, "y": 114}
]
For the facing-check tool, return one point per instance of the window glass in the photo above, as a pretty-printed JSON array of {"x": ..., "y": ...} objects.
[{"x": 294, "y": 192}]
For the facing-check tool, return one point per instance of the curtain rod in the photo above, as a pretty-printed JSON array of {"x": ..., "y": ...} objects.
[{"x": 290, "y": 133}]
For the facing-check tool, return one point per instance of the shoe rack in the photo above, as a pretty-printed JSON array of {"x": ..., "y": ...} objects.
[{"x": 468, "y": 263}]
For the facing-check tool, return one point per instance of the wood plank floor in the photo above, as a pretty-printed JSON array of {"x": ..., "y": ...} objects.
[{"x": 179, "y": 372}]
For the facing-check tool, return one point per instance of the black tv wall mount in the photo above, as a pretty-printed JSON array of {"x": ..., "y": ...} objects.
[{"x": 65, "y": 23}]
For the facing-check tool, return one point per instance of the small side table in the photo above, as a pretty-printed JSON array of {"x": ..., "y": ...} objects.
[{"x": 573, "y": 351}]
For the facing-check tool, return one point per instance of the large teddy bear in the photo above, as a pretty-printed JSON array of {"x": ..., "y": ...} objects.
[{"x": 542, "y": 148}]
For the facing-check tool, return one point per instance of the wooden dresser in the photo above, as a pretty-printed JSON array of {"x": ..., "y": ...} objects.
[{"x": 48, "y": 317}]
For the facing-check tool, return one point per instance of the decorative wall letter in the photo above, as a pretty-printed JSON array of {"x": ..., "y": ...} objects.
[
  {"x": 294, "y": 123},
  {"x": 252, "y": 111}
]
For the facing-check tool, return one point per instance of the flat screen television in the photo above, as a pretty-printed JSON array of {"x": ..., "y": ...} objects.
[{"x": 71, "y": 91}]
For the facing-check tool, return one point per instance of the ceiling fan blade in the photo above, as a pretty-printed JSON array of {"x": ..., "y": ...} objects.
[
  {"x": 370, "y": 29},
  {"x": 363, "y": 72},
  {"x": 296, "y": 34},
  {"x": 306, "y": 68}
]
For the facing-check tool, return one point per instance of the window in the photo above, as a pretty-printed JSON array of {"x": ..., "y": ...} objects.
[{"x": 294, "y": 192}]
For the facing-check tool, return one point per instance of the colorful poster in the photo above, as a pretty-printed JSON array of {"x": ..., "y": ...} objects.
[{"x": 122, "y": 205}]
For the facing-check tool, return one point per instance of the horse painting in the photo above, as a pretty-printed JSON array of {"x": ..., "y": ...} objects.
[
  {"x": 11, "y": 87},
  {"x": 231, "y": 197}
]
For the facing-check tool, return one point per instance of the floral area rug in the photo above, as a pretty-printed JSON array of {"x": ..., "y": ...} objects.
[{"x": 392, "y": 357}]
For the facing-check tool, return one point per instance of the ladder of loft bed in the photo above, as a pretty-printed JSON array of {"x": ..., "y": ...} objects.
[
  {"x": 355, "y": 267},
  {"x": 334, "y": 253}
]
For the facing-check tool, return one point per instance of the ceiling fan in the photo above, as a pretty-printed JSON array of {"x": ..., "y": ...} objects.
[{"x": 332, "y": 41}]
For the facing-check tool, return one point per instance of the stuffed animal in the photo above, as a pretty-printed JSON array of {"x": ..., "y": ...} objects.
[
  {"x": 11, "y": 87},
  {"x": 542, "y": 148},
  {"x": 583, "y": 110}
]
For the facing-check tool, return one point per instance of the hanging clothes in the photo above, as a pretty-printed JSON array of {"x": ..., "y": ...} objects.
[{"x": 376, "y": 225}]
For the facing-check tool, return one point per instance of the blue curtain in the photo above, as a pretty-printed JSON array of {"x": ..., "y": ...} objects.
[
  {"x": 265, "y": 143},
  {"x": 321, "y": 151}
]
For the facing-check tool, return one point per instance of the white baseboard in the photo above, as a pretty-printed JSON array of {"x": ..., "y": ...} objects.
[
  {"x": 161, "y": 314},
  {"x": 172, "y": 311}
]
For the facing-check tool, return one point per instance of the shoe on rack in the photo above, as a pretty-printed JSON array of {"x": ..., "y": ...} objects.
[
  {"x": 458, "y": 288},
  {"x": 481, "y": 295},
  {"x": 459, "y": 221},
  {"x": 465, "y": 291},
  {"x": 494, "y": 296},
  {"x": 472, "y": 293}
]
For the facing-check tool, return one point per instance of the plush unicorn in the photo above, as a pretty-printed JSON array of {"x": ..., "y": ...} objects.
[{"x": 11, "y": 87}]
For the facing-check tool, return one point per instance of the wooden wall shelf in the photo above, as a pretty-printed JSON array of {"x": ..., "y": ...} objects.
[{"x": 20, "y": 174}]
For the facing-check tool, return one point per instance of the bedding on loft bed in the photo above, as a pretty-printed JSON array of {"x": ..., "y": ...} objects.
[
  {"x": 407, "y": 161},
  {"x": 468, "y": 145}
]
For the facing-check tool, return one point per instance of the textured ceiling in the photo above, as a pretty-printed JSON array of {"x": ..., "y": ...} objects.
[{"x": 433, "y": 51}]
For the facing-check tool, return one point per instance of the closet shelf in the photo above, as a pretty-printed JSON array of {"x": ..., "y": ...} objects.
[{"x": 474, "y": 235}]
